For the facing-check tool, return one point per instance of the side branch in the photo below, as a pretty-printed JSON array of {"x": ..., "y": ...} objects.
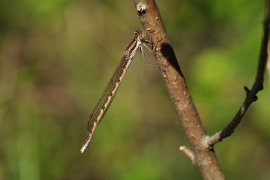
[{"x": 251, "y": 95}]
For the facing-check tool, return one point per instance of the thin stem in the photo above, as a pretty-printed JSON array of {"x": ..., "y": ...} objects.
[{"x": 251, "y": 95}]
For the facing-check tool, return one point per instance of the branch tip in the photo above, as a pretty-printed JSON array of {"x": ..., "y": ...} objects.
[
  {"x": 247, "y": 90},
  {"x": 187, "y": 152},
  {"x": 141, "y": 8}
]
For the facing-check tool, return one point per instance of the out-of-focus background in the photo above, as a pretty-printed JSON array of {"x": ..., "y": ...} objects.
[{"x": 58, "y": 55}]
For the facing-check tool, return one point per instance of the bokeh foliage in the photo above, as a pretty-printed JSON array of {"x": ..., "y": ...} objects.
[{"x": 56, "y": 57}]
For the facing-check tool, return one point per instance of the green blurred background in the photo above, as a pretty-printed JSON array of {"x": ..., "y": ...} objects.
[{"x": 58, "y": 55}]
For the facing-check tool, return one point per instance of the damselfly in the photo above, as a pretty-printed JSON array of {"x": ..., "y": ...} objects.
[{"x": 110, "y": 90}]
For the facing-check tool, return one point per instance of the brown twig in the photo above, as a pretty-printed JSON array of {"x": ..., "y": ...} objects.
[
  {"x": 204, "y": 157},
  {"x": 251, "y": 95}
]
